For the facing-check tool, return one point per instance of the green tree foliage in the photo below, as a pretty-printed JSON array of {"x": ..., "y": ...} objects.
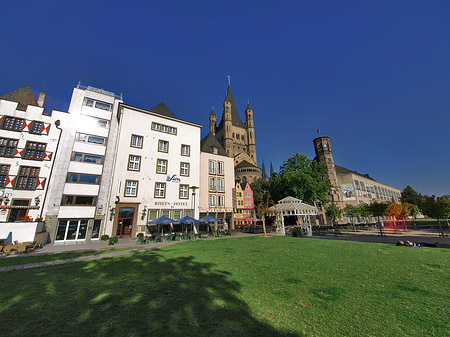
[
  {"x": 411, "y": 196},
  {"x": 261, "y": 199},
  {"x": 365, "y": 211},
  {"x": 333, "y": 212},
  {"x": 301, "y": 178},
  {"x": 351, "y": 211}
]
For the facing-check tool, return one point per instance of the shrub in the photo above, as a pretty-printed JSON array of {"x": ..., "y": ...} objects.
[
  {"x": 104, "y": 237},
  {"x": 140, "y": 236},
  {"x": 113, "y": 240}
]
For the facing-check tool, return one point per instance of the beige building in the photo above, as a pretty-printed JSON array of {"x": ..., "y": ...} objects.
[
  {"x": 237, "y": 138},
  {"x": 216, "y": 181},
  {"x": 351, "y": 187}
]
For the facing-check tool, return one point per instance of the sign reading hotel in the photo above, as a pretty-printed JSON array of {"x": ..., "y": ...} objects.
[
  {"x": 347, "y": 192},
  {"x": 171, "y": 203}
]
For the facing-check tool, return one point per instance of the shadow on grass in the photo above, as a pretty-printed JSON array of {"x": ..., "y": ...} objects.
[{"x": 144, "y": 294}]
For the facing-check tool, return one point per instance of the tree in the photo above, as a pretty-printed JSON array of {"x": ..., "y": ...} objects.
[
  {"x": 301, "y": 178},
  {"x": 378, "y": 209},
  {"x": 413, "y": 210},
  {"x": 262, "y": 200},
  {"x": 333, "y": 212},
  {"x": 352, "y": 212},
  {"x": 437, "y": 208},
  {"x": 365, "y": 212},
  {"x": 410, "y": 195}
]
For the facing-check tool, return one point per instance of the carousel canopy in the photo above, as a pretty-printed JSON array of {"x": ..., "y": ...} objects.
[{"x": 293, "y": 206}]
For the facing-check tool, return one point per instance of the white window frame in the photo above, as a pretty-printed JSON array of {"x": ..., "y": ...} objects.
[
  {"x": 134, "y": 162},
  {"x": 212, "y": 200},
  {"x": 184, "y": 192},
  {"x": 220, "y": 185},
  {"x": 161, "y": 166},
  {"x": 163, "y": 146},
  {"x": 184, "y": 169},
  {"x": 220, "y": 168},
  {"x": 185, "y": 147},
  {"x": 212, "y": 184},
  {"x": 221, "y": 201},
  {"x": 131, "y": 187},
  {"x": 212, "y": 166},
  {"x": 160, "y": 190}
]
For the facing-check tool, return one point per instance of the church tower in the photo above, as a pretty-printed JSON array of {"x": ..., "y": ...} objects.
[
  {"x": 228, "y": 139},
  {"x": 324, "y": 155},
  {"x": 212, "y": 122},
  {"x": 251, "y": 149}
]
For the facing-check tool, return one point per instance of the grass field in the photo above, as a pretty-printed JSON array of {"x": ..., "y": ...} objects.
[{"x": 251, "y": 286}]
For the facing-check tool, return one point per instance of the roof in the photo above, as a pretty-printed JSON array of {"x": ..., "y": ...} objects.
[
  {"x": 23, "y": 95},
  {"x": 245, "y": 163},
  {"x": 162, "y": 109},
  {"x": 209, "y": 142},
  {"x": 342, "y": 170},
  {"x": 235, "y": 119},
  {"x": 293, "y": 204}
]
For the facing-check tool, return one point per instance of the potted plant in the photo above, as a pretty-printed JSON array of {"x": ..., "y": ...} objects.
[
  {"x": 140, "y": 238},
  {"x": 113, "y": 240},
  {"x": 105, "y": 240}
]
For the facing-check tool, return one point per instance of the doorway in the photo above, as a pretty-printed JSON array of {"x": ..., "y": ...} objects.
[
  {"x": 125, "y": 222},
  {"x": 18, "y": 214}
]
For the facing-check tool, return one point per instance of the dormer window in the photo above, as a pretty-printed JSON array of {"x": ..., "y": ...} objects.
[{"x": 215, "y": 150}]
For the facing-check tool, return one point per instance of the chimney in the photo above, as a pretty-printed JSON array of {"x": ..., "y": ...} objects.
[{"x": 41, "y": 99}]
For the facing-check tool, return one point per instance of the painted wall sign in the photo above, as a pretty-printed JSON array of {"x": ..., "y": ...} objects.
[
  {"x": 173, "y": 179},
  {"x": 171, "y": 203}
]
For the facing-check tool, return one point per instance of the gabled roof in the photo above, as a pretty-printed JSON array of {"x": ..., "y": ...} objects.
[
  {"x": 209, "y": 142},
  {"x": 162, "y": 109},
  {"x": 245, "y": 163},
  {"x": 342, "y": 170},
  {"x": 23, "y": 95},
  {"x": 292, "y": 204},
  {"x": 235, "y": 119}
]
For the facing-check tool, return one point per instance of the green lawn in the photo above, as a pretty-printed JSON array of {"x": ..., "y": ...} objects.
[
  {"x": 250, "y": 286},
  {"x": 6, "y": 261}
]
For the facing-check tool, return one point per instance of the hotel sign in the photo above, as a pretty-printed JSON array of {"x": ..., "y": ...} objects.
[
  {"x": 173, "y": 179},
  {"x": 171, "y": 203}
]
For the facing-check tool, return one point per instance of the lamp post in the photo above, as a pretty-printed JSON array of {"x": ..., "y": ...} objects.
[{"x": 193, "y": 188}]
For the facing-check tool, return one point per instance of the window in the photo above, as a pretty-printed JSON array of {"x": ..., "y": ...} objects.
[
  {"x": 185, "y": 150},
  {"x": 220, "y": 185},
  {"x": 164, "y": 128},
  {"x": 134, "y": 163},
  {"x": 87, "y": 158},
  {"x": 184, "y": 169},
  {"x": 84, "y": 138},
  {"x": 131, "y": 187},
  {"x": 103, "y": 123},
  {"x": 161, "y": 166},
  {"x": 212, "y": 200},
  {"x": 96, "y": 229},
  {"x": 160, "y": 190},
  {"x": 220, "y": 168},
  {"x": 8, "y": 147},
  {"x": 176, "y": 214},
  {"x": 78, "y": 200},
  {"x": 27, "y": 178},
  {"x": 4, "y": 171},
  {"x": 34, "y": 151},
  {"x": 166, "y": 213},
  {"x": 221, "y": 201},
  {"x": 212, "y": 167},
  {"x": 152, "y": 215},
  {"x": 136, "y": 141},
  {"x": 215, "y": 150},
  {"x": 212, "y": 184},
  {"x": 81, "y": 178},
  {"x": 13, "y": 124},
  {"x": 184, "y": 191},
  {"x": 163, "y": 146},
  {"x": 97, "y": 104},
  {"x": 36, "y": 128}
]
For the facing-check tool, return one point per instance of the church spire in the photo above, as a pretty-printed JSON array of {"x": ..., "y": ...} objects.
[
  {"x": 264, "y": 173},
  {"x": 271, "y": 169}
]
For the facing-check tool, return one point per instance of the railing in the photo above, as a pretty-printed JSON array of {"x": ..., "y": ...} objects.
[{"x": 100, "y": 91}]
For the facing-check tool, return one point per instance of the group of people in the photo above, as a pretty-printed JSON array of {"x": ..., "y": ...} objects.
[{"x": 408, "y": 243}]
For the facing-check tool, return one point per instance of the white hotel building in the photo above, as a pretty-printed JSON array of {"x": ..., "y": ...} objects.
[{"x": 156, "y": 170}]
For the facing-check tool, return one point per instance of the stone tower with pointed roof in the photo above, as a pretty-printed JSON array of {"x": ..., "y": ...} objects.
[{"x": 237, "y": 138}]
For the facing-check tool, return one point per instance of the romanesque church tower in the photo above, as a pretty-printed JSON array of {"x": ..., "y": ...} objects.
[
  {"x": 237, "y": 138},
  {"x": 324, "y": 155}
]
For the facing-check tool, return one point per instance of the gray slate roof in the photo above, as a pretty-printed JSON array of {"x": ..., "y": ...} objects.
[
  {"x": 23, "y": 95},
  {"x": 162, "y": 109},
  {"x": 235, "y": 119},
  {"x": 209, "y": 142},
  {"x": 245, "y": 163}
]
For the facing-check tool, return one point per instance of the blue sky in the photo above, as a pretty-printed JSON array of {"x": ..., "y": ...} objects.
[{"x": 372, "y": 75}]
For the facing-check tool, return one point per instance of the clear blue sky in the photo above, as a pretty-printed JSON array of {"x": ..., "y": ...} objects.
[{"x": 372, "y": 75}]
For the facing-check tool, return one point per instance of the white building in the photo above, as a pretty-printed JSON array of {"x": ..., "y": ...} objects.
[
  {"x": 28, "y": 142},
  {"x": 156, "y": 170},
  {"x": 77, "y": 206}
]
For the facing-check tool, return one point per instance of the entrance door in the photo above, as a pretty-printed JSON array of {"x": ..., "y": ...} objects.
[
  {"x": 125, "y": 222},
  {"x": 17, "y": 214}
]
